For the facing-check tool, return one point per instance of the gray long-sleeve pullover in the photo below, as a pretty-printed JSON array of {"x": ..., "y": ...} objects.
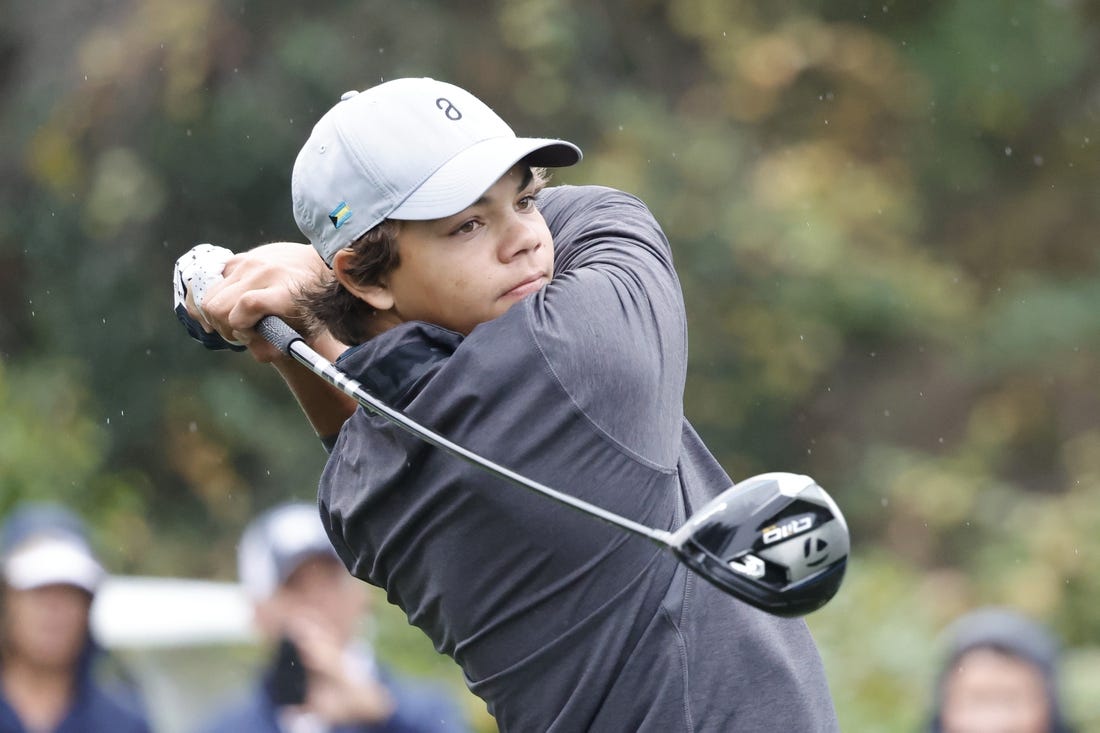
[{"x": 559, "y": 621}]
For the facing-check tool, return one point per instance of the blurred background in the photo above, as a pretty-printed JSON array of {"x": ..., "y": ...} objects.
[{"x": 884, "y": 215}]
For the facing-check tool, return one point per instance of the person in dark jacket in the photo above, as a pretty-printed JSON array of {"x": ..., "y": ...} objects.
[
  {"x": 1001, "y": 676},
  {"x": 544, "y": 329},
  {"x": 320, "y": 679},
  {"x": 48, "y": 658}
]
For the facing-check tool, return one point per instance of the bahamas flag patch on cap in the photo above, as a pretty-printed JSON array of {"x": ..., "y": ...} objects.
[{"x": 340, "y": 214}]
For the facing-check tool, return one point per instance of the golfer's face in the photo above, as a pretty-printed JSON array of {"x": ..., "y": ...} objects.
[{"x": 469, "y": 268}]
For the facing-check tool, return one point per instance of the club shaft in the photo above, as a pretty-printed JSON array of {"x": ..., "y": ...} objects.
[{"x": 292, "y": 343}]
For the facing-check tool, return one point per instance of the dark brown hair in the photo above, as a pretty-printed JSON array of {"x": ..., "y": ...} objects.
[{"x": 329, "y": 305}]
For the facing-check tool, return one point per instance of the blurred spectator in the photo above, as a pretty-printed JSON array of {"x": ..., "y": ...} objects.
[
  {"x": 48, "y": 659},
  {"x": 1001, "y": 676},
  {"x": 320, "y": 679}
]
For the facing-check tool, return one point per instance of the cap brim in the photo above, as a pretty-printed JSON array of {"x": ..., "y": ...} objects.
[
  {"x": 459, "y": 182},
  {"x": 53, "y": 563}
]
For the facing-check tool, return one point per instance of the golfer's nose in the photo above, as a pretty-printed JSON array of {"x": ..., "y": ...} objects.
[{"x": 522, "y": 234}]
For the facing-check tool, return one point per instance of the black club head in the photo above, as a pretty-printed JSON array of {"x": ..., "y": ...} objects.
[{"x": 776, "y": 541}]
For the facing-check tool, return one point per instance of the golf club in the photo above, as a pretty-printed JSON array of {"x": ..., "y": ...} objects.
[{"x": 776, "y": 541}]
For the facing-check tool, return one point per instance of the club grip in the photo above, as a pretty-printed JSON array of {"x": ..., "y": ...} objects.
[{"x": 275, "y": 331}]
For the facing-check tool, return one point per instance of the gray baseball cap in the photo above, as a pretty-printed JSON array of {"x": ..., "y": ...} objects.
[
  {"x": 45, "y": 544},
  {"x": 413, "y": 149},
  {"x": 276, "y": 543}
]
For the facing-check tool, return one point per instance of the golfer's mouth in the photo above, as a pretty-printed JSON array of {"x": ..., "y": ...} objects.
[{"x": 531, "y": 285}]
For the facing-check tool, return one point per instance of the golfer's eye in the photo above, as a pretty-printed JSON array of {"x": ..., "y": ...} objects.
[
  {"x": 467, "y": 227},
  {"x": 527, "y": 203}
]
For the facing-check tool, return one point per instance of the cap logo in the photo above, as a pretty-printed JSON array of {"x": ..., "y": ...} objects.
[
  {"x": 340, "y": 214},
  {"x": 448, "y": 108}
]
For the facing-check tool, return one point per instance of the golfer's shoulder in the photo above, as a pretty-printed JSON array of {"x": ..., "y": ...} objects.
[{"x": 566, "y": 204}]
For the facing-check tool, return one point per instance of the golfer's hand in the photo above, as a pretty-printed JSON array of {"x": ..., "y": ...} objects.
[
  {"x": 260, "y": 282},
  {"x": 194, "y": 271}
]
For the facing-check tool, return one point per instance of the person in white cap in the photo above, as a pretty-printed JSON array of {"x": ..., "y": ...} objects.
[
  {"x": 47, "y": 654},
  {"x": 322, "y": 678},
  {"x": 543, "y": 328}
]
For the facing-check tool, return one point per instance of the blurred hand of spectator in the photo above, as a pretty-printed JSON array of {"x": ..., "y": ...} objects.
[
  {"x": 339, "y": 690},
  {"x": 323, "y": 678}
]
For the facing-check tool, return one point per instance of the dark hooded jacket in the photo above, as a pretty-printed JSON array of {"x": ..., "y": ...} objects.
[
  {"x": 103, "y": 701},
  {"x": 1006, "y": 632}
]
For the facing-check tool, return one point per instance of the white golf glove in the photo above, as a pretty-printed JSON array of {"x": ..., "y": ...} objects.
[{"x": 196, "y": 271}]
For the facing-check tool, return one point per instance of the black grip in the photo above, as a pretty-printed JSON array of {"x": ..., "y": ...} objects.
[{"x": 275, "y": 331}]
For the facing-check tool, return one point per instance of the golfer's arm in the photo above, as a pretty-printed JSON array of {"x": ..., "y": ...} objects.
[{"x": 326, "y": 407}]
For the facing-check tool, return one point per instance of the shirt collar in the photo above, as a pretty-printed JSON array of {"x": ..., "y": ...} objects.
[{"x": 391, "y": 364}]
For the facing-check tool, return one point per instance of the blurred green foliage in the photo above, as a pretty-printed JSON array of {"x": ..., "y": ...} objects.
[{"x": 884, "y": 216}]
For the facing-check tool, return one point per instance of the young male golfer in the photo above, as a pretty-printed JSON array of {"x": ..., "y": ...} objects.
[{"x": 545, "y": 330}]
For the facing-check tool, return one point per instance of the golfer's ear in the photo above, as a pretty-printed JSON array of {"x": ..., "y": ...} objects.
[{"x": 377, "y": 296}]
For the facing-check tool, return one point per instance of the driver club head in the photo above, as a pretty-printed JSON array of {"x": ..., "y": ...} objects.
[{"x": 776, "y": 541}]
